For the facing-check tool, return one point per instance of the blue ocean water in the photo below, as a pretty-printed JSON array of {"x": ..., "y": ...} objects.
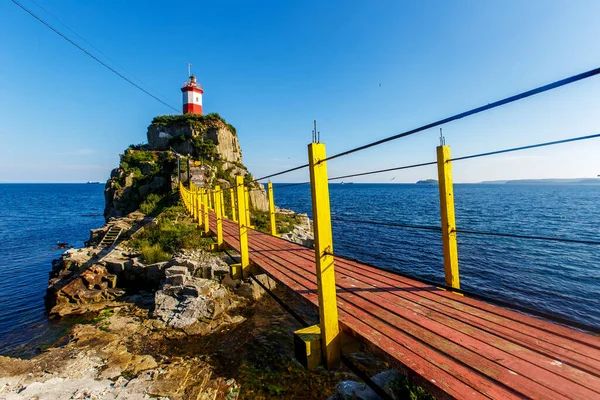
[
  {"x": 560, "y": 278},
  {"x": 33, "y": 218},
  {"x": 553, "y": 277}
]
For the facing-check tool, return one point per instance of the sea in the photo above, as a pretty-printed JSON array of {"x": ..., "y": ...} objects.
[{"x": 548, "y": 276}]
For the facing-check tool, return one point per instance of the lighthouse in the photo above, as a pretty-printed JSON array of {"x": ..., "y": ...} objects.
[{"x": 192, "y": 96}]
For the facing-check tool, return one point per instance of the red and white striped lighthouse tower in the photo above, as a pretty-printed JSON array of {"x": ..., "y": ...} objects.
[{"x": 192, "y": 96}]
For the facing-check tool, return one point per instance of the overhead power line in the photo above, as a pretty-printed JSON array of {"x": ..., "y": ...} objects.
[
  {"x": 93, "y": 56},
  {"x": 97, "y": 49}
]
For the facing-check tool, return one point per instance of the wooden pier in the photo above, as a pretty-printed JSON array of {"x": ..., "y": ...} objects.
[{"x": 453, "y": 345}]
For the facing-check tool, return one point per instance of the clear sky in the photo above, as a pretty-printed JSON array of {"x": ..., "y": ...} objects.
[{"x": 364, "y": 70}]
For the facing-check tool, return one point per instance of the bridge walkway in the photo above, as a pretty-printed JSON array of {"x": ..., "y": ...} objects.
[{"x": 453, "y": 345}]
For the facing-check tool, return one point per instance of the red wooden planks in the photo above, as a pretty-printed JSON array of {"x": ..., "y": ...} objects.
[{"x": 463, "y": 347}]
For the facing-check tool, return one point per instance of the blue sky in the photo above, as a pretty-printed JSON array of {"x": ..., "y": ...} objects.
[{"x": 270, "y": 68}]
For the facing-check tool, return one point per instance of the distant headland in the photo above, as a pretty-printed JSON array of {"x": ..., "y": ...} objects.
[{"x": 576, "y": 181}]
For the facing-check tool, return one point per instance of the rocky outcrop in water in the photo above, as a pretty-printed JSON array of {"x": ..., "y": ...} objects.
[{"x": 208, "y": 151}]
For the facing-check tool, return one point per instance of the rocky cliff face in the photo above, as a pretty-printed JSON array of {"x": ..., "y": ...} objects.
[
  {"x": 206, "y": 136},
  {"x": 209, "y": 154}
]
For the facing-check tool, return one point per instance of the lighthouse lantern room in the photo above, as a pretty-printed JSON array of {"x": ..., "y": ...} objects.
[{"x": 192, "y": 96}]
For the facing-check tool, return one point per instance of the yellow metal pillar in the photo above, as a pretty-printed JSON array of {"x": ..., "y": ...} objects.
[
  {"x": 206, "y": 215},
  {"x": 194, "y": 204},
  {"x": 448, "y": 217},
  {"x": 243, "y": 226},
  {"x": 247, "y": 207},
  {"x": 272, "y": 209},
  {"x": 199, "y": 199},
  {"x": 219, "y": 215},
  {"x": 232, "y": 199},
  {"x": 328, "y": 312},
  {"x": 222, "y": 199}
]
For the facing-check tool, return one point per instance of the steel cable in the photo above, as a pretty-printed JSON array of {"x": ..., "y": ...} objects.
[
  {"x": 527, "y": 310},
  {"x": 473, "y": 111}
]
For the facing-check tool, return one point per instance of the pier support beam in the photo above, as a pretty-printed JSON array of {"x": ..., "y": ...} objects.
[
  {"x": 448, "y": 218},
  {"x": 328, "y": 312}
]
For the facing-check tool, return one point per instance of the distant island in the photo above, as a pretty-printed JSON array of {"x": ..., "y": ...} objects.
[
  {"x": 427, "y": 182},
  {"x": 578, "y": 181}
]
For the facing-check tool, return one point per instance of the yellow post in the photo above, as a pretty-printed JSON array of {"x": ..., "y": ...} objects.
[
  {"x": 272, "y": 209},
  {"x": 199, "y": 204},
  {"x": 328, "y": 312},
  {"x": 247, "y": 205},
  {"x": 219, "y": 215},
  {"x": 243, "y": 226},
  {"x": 232, "y": 200},
  {"x": 206, "y": 215},
  {"x": 194, "y": 204},
  {"x": 222, "y": 199},
  {"x": 448, "y": 217},
  {"x": 200, "y": 209}
]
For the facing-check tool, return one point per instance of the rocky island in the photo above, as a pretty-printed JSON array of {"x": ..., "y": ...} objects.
[{"x": 158, "y": 314}]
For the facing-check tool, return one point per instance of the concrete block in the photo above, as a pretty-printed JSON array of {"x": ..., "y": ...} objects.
[{"x": 307, "y": 346}]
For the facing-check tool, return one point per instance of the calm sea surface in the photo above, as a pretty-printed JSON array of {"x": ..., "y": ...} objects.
[
  {"x": 560, "y": 278},
  {"x": 554, "y": 277},
  {"x": 33, "y": 218}
]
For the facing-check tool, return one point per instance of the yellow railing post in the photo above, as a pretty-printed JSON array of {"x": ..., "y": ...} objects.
[
  {"x": 198, "y": 202},
  {"x": 243, "y": 226},
  {"x": 448, "y": 218},
  {"x": 328, "y": 312},
  {"x": 200, "y": 207},
  {"x": 194, "y": 205},
  {"x": 219, "y": 215},
  {"x": 222, "y": 199},
  {"x": 247, "y": 206},
  {"x": 206, "y": 215},
  {"x": 232, "y": 199},
  {"x": 272, "y": 209}
]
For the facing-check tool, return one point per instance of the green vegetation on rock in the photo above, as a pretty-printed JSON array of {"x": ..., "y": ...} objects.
[
  {"x": 404, "y": 388},
  {"x": 195, "y": 120},
  {"x": 172, "y": 232},
  {"x": 285, "y": 222},
  {"x": 154, "y": 204}
]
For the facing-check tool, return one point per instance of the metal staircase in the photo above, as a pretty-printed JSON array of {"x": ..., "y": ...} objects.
[{"x": 111, "y": 237}]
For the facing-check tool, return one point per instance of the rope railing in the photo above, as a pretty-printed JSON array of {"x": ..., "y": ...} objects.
[
  {"x": 552, "y": 317},
  {"x": 531, "y": 146},
  {"x": 467, "y": 231},
  {"x": 390, "y": 224},
  {"x": 477, "y": 110},
  {"x": 532, "y": 237}
]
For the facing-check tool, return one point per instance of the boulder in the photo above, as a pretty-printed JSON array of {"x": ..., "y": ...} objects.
[
  {"x": 197, "y": 301},
  {"x": 116, "y": 173},
  {"x": 176, "y": 270},
  {"x": 144, "y": 190},
  {"x": 158, "y": 183},
  {"x": 146, "y": 167},
  {"x": 350, "y": 390},
  {"x": 117, "y": 265}
]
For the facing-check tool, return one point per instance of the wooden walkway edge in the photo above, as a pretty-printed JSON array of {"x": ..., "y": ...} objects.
[{"x": 454, "y": 346}]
